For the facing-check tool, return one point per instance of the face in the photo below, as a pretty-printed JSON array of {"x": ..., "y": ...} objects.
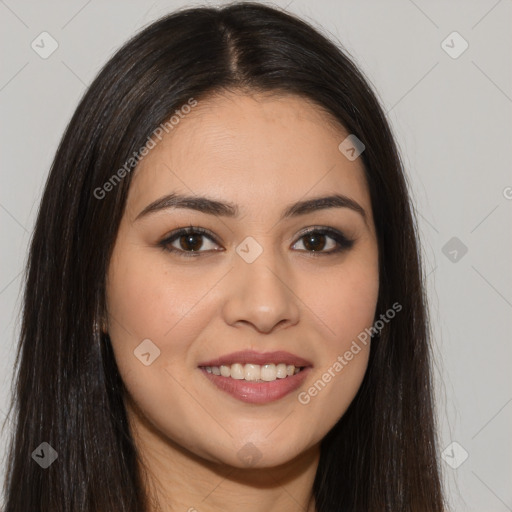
[{"x": 252, "y": 290}]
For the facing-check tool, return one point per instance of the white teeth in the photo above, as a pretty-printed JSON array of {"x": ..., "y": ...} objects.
[
  {"x": 255, "y": 372},
  {"x": 225, "y": 371},
  {"x": 252, "y": 372},
  {"x": 281, "y": 371},
  {"x": 236, "y": 371},
  {"x": 268, "y": 372}
]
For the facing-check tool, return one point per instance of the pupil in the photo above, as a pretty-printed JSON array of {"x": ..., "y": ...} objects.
[
  {"x": 187, "y": 242},
  {"x": 309, "y": 242}
]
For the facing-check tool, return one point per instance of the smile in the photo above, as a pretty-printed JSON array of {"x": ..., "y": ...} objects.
[
  {"x": 255, "y": 372},
  {"x": 257, "y": 378}
]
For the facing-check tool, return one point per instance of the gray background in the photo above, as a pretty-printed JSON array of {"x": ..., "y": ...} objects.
[{"x": 452, "y": 120}]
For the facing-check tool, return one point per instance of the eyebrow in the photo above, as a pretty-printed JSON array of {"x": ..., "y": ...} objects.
[{"x": 214, "y": 207}]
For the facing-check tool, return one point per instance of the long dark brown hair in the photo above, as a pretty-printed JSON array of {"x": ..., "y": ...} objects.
[{"x": 382, "y": 454}]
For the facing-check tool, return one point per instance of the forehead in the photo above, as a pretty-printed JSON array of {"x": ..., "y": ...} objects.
[{"x": 255, "y": 150}]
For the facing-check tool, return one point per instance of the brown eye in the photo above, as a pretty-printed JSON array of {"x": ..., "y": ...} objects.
[
  {"x": 188, "y": 241},
  {"x": 314, "y": 241},
  {"x": 317, "y": 240},
  {"x": 191, "y": 242}
]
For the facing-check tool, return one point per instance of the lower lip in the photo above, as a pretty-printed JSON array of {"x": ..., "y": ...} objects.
[{"x": 258, "y": 392}]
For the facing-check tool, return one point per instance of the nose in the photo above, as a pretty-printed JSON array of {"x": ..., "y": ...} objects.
[{"x": 260, "y": 294}]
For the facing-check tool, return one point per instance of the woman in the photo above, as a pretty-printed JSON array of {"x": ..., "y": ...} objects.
[{"x": 224, "y": 302}]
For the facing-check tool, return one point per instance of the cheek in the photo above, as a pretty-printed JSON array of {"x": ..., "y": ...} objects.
[
  {"x": 146, "y": 302},
  {"x": 345, "y": 300},
  {"x": 345, "y": 304}
]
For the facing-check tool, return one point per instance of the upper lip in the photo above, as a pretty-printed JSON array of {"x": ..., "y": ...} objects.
[{"x": 253, "y": 357}]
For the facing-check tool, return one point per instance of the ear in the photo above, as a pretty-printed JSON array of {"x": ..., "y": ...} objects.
[{"x": 101, "y": 325}]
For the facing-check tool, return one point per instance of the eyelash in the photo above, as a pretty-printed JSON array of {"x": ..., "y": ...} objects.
[{"x": 343, "y": 242}]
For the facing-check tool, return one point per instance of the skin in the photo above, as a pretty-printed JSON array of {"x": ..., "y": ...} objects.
[{"x": 262, "y": 153}]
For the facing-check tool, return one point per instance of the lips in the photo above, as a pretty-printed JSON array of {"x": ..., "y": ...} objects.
[
  {"x": 257, "y": 392},
  {"x": 260, "y": 358}
]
